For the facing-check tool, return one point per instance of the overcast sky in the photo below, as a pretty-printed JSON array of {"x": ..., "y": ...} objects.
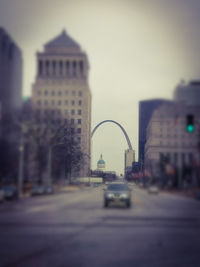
[{"x": 137, "y": 50}]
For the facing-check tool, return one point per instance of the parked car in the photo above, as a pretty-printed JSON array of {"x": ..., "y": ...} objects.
[
  {"x": 1, "y": 195},
  {"x": 48, "y": 189},
  {"x": 153, "y": 189},
  {"x": 117, "y": 192},
  {"x": 10, "y": 192},
  {"x": 37, "y": 190}
]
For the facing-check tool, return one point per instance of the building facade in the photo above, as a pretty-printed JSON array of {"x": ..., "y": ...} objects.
[
  {"x": 188, "y": 93},
  {"x": 129, "y": 158},
  {"x": 170, "y": 149},
  {"x": 61, "y": 90},
  {"x": 10, "y": 74},
  {"x": 146, "y": 108}
]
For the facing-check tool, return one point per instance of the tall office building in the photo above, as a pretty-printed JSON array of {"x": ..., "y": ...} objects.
[
  {"x": 146, "y": 108},
  {"x": 168, "y": 138},
  {"x": 10, "y": 74},
  {"x": 188, "y": 93},
  {"x": 61, "y": 88}
]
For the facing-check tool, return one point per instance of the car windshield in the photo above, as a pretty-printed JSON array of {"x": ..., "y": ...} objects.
[{"x": 117, "y": 187}]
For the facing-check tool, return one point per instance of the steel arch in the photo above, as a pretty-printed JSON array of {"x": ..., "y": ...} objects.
[{"x": 124, "y": 132}]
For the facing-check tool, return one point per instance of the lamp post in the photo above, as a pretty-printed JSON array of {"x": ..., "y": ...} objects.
[{"x": 21, "y": 160}]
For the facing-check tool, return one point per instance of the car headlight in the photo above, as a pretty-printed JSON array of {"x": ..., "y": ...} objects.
[{"x": 124, "y": 195}]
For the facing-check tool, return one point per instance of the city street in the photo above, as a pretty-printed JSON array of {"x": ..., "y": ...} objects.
[{"x": 73, "y": 229}]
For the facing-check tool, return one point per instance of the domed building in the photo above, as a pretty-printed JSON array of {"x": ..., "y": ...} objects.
[{"x": 101, "y": 164}]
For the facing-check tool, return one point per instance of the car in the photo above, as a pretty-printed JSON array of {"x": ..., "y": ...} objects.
[
  {"x": 153, "y": 189},
  {"x": 117, "y": 192},
  {"x": 48, "y": 189},
  {"x": 10, "y": 192},
  {"x": 1, "y": 195},
  {"x": 37, "y": 190}
]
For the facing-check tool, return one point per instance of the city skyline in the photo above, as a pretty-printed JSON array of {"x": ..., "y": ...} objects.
[{"x": 136, "y": 51}]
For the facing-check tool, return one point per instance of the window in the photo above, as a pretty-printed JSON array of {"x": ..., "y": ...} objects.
[
  {"x": 72, "y": 130},
  {"x": 54, "y": 67},
  {"x": 79, "y": 130},
  {"x": 80, "y": 93},
  {"x": 79, "y": 121},
  {"x": 38, "y": 102},
  {"x": 79, "y": 102},
  {"x": 40, "y": 67},
  {"x": 73, "y": 102},
  {"x": 72, "y": 111},
  {"x": 59, "y": 102},
  {"x": 66, "y": 102},
  {"x": 46, "y": 92},
  {"x": 53, "y": 93},
  {"x": 46, "y": 103},
  {"x": 52, "y": 112},
  {"x": 79, "y": 140},
  {"x": 66, "y": 92},
  {"x": 47, "y": 67},
  {"x": 74, "y": 68},
  {"x": 72, "y": 121},
  {"x": 59, "y": 93},
  {"x": 79, "y": 112},
  {"x": 67, "y": 67},
  {"x": 61, "y": 67},
  {"x": 81, "y": 67}
]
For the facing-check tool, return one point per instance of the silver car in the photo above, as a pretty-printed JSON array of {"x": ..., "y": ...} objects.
[{"x": 117, "y": 193}]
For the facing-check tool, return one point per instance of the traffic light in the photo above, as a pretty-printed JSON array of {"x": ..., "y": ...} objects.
[{"x": 190, "y": 123}]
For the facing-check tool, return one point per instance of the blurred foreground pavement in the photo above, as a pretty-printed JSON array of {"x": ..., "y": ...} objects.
[{"x": 73, "y": 229}]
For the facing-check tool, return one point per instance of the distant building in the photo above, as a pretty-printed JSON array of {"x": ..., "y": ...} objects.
[
  {"x": 61, "y": 91},
  {"x": 146, "y": 108},
  {"x": 170, "y": 148},
  {"x": 101, "y": 165},
  {"x": 10, "y": 74},
  {"x": 188, "y": 93},
  {"x": 129, "y": 159}
]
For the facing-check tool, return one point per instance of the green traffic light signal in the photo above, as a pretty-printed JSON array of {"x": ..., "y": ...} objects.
[
  {"x": 190, "y": 128},
  {"x": 190, "y": 123}
]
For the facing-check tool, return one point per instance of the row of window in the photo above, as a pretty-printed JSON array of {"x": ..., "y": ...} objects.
[
  {"x": 53, "y": 93},
  {"x": 73, "y": 139},
  {"x": 59, "y": 112},
  {"x": 173, "y": 157},
  {"x": 59, "y": 102},
  {"x": 57, "y": 122},
  {"x": 60, "y": 68},
  {"x": 175, "y": 144}
]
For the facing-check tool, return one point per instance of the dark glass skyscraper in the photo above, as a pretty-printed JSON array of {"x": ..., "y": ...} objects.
[
  {"x": 10, "y": 74},
  {"x": 146, "y": 108}
]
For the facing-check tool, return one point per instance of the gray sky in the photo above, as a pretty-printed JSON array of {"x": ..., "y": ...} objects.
[{"x": 137, "y": 50}]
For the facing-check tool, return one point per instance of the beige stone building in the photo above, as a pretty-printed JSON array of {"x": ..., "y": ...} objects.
[
  {"x": 61, "y": 88},
  {"x": 167, "y": 137}
]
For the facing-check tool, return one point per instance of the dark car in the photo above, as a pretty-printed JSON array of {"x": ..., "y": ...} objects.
[
  {"x": 10, "y": 192},
  {"x": 117, "y": 193}
]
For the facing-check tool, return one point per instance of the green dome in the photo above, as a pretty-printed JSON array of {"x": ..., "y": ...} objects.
[{"x": 101, "y": 161}]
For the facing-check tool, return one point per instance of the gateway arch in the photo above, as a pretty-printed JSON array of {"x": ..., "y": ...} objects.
[{"x": 123, "y": 130}]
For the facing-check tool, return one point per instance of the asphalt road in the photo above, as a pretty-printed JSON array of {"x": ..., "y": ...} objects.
[{"x": 73, "y": 229}]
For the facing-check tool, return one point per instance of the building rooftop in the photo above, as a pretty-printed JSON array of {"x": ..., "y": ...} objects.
[{"x": 62, "y": 40}]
